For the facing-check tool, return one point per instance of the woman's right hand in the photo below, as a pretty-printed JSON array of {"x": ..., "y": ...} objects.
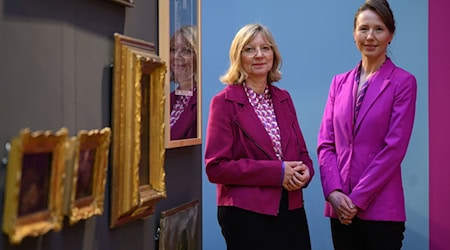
[
  {"x": 296, "y": 175},
  {"x": 343, "y": 206}
]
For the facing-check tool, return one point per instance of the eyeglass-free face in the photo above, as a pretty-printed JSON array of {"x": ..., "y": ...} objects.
[
  {"x": 371, "y": 35},
  {"x": 257, "y": 57}
]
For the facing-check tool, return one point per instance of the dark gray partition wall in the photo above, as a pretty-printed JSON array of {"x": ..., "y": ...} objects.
[{"x": 55, "y": 71}]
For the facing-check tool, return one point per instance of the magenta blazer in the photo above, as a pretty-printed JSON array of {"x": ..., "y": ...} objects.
[
  {"x": 363, "y": 158},
  {"x": 186, "y": 126},
  {"x": 239, "y": 155}
]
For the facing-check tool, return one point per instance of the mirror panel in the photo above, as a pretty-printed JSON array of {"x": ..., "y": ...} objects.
[{"x": 180, "y": 48}]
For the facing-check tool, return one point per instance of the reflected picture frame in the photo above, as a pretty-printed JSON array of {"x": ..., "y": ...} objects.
[
  {"x": 86, "y": 171},
  {"x": 35, "y": 184},
  {"x": 138, "y": 176},
  {"x": 173, "y": 15}
]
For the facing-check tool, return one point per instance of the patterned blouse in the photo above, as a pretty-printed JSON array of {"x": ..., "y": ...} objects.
[
  {"x": 263, "y": 106},
  {"x": 178, "y": 108}
]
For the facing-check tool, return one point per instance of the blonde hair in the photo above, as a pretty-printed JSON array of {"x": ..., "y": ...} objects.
[
  {"x": 236, "y": 73},
  {"x": 188, "y": 34}
]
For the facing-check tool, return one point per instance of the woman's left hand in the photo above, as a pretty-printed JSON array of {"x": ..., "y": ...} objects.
[{"x": 300, "y": 178}]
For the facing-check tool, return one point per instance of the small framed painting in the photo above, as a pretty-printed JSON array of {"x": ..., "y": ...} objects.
[
  {"x": 34, "y": 184},
  {"x": 86, "y": 167}
]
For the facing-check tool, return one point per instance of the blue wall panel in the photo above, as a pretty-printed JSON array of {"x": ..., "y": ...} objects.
[{"x": 316, "y": 42}]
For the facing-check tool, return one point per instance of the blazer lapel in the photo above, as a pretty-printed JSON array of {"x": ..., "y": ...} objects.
[
  {"x": 348, "y": 93},
  {"x": 285, "y": 119},
  {"x": 344, "y": 102},
  {"x": 379, "y": 82},
  {"x": 250, "y": 124}
]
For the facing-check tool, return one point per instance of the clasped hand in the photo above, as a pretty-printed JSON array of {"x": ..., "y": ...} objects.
[
  {"x": 343, "y": 207},
  {"x": 296, "y": 175}
]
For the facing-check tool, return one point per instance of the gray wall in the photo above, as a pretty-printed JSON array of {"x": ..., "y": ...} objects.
[{"x": 55, "y": 72}]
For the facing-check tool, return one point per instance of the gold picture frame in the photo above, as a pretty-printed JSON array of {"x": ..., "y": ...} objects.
[
  {"x": 86, "y": 170},
  {"x": 35, "y": 184},
  {"x": 181, "y": 18},
  {"x": 138, "y": 176}
]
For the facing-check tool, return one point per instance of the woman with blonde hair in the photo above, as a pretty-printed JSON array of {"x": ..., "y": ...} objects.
[
  {"x": 255, "y": 151},
  {"x": 183, "y": 73}
]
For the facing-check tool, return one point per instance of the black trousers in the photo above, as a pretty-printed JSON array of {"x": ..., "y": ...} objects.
[
  {"x": 246, "y": 230},
  {"x": 367, "y": 235}
]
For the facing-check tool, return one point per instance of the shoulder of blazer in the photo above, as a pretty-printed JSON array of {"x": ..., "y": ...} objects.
[
  {"x": 234, "y": 93},
  {"x": 278, "y": 93},
  {"x": 342, "y": 78},
  {"x": 231, "y": 93},
  {"x": 397, "y": 75},
  {"x": 401, "y": 74},
  {"x": 194, "y": 97}
]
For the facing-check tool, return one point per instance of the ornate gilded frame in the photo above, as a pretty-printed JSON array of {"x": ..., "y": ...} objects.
[
  {"x": 35, "y": 184},
  {"x": 138, "y": 176},
  {"x": 86, "y": 170},
  {"x": 169, "y": 21}
]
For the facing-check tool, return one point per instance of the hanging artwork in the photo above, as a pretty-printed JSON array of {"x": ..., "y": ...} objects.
[
  {"x": 179, "y": 228},
  {"x": 86, "y": 171},
  {"x": 138, "y": 177},
  {"x": 34, "y": 184}
]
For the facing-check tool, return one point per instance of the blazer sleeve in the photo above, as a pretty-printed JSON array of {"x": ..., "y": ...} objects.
[
  {"x": 326, "y": 147},
  {"x": 227, "y": 165},
  {"x": 303, "y": 154}
]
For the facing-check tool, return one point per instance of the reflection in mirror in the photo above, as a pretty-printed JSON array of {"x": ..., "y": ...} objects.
[
  {"x": 179, "y": 25},
  {"x": 184, "y": 78}
]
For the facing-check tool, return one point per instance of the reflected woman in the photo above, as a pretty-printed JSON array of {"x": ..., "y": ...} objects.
[{"x": 183, "y": 73}]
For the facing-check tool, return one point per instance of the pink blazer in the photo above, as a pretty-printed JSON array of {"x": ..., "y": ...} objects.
[
  {"x": 186, "y": 126},
  {"x": 363, "y": 158},
  {"x": 239, "y": 155}
]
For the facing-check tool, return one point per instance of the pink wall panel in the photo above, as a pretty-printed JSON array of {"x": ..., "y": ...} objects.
[{"x": 439, "y": 123}]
